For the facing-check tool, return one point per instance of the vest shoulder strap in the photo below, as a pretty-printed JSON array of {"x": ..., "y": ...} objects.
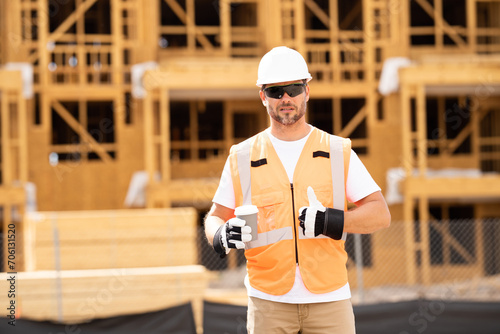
[
  {"x": 340, "y": 149},
  {"x": 244, "y": 163}
]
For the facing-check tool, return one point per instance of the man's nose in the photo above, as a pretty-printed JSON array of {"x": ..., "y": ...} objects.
[{"x": 285, "y": 96}]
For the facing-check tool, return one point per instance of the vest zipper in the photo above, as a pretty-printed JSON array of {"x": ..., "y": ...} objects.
[{"x": 294, "y": 227}]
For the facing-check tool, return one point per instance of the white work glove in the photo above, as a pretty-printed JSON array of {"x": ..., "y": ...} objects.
[
  {"x": 233, "y": 234},
  {"x": 315, "y": 219}
]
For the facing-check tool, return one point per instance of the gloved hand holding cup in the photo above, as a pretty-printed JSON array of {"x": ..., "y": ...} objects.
[
  {"x": 236, "y": 231},
  {"x": 249, "y": 214}
]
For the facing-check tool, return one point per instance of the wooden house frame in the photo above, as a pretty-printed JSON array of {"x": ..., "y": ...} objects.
[{"x": 84, "y": 116}]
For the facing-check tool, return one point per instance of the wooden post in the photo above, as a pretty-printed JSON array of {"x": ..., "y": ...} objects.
[
  {"x": 23, "y": 138},
  {"x": 479, "y": 242},
  {"x": 334, "y": 46},
  {"x": 4, "y": 111},
  {"x": 407, "y": 161},
  {"x": 298, "y": 22},
  {"x": 476, "y": 131},
  {"x": 148, "y": 140},
  {"x": 43, "y": 31},
  {"x": 80, "y": 48},
  {"x": 403, "y": 27},
  {"x": 337, "y": 115},
  {"x": 369, "y": 32},
  {"x": 12, "y": 35},
  {"x": 422, "y": 168},
  {"x": 445, "y": 208},
  {"x": 423, "y": 204},
  {"x": 421, "y": 131},
  {"x": 470, "y": 10},
  {"x": 147, "y": 29},
  {"x": 438, "y": 25},
  {"x": 408, "y": 219},
  {"x": 117, "y": 45},
  {"x": 6, "y": 140},
  {"x": 193, "y": 130},
  {"x": 225, "y": 26},
  {"x": 441, "y": 140},
  {"x": 165, "y": 140},
  {"x": 228, "y": 126},
  {"x": 190, "y": 26}
]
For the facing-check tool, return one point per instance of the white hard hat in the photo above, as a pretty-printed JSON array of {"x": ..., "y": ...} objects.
[{"x": 282, "y": 64}]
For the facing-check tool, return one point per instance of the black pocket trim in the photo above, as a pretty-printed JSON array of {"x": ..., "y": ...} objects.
[
  {"x": 258, "y": 163},
  {"x": 321, "y": 154}
]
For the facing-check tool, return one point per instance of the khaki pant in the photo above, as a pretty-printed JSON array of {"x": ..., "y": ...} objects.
[{"x": 266, "y": 317}]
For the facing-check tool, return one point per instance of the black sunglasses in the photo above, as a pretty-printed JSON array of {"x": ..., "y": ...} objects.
[{"x": 277, "y": 92}]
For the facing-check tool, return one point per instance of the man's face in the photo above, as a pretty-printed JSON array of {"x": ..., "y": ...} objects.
[{"x": 286, "y": 110}]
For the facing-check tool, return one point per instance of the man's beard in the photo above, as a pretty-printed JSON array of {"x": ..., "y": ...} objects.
[{"x": 288, "y": 119}]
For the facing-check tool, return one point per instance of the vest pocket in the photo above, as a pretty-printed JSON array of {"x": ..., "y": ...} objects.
[{"x": 267, "y": 204}]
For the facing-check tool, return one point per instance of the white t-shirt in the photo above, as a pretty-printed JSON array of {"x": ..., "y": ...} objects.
[{"x": 359, "y": 185}]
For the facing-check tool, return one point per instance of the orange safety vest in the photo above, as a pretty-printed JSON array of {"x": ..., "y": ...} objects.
[{"x": 259, "y": 178}]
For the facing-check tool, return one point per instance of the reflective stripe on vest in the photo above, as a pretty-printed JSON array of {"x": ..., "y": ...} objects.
[
  {"x": 244, "y": 170},
  {"x": 286, "y": 233},
  {"x": 271, "y": 237},
  {"x": 337, "y": 162}
]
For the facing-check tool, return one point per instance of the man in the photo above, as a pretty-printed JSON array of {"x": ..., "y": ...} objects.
[{"x": 300, "y": 178}]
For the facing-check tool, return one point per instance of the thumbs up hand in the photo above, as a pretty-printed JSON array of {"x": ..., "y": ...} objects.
[
  {"x": 307, "y": 214},
  {"x": 315, "y": 219}
]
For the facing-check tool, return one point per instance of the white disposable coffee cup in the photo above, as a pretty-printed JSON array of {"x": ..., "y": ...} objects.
[{"x": 249, "y": 214}]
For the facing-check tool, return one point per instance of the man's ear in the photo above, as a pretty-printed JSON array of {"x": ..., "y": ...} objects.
[{"x": 263, "y": 98}]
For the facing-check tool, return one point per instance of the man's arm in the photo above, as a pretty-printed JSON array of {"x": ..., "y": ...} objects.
[
  {"x": 216, "y": 217},
  {"x": 371, "y": 214}
]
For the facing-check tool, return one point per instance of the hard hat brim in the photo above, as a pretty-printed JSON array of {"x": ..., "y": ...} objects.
[{"x": 260, "y": 83}]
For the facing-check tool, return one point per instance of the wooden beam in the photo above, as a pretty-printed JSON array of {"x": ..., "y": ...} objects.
[
  {"x": 457, "y": 187},
  {"x": 464, "y": 134},
  {"x": 70, "y": 20},
  {"x": 427, "y": 7},
  {"x": 485, "y": 76},
  {"x": 75, "y": 92},
  {"x": 185, "y": 19},
  {"x": 11, "y": 81},
  {"x": 12, "y": 195},
  {"x": 79, "y": 129},
  {"x": 450, "y": 241},
  {"x": 354, "y": 123},
  {"x": 351, "y": 16},
  {"x": 104, "y": 293},
  {"x": 318, "y": 11}
]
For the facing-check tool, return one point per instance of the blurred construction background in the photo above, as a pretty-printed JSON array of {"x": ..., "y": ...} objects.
[{"x": 116, "y": 117}]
